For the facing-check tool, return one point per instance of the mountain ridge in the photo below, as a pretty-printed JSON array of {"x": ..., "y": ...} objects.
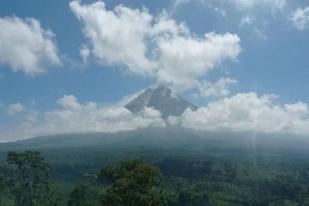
[{"x": 162, "y": 99}]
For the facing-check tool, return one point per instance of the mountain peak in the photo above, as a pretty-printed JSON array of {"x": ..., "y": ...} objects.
[{"x": 162, "y": 99}]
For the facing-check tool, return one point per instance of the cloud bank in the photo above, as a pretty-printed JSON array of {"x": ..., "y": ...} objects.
[
  {"x": 71, "y": 116},
  {"x": 25, "y": 46},
  {"x": 241, "y": 112},
  {"x": 249, "y": 112}
]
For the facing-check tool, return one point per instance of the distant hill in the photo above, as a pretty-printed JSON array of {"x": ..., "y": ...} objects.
[
  {"x": 162, "y": 99},
  {"x": 170, "y": 139},
  {"x": 148, "y": 137}
]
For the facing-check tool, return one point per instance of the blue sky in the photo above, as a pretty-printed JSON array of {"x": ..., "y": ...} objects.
[{"x": 271, "y": 35}]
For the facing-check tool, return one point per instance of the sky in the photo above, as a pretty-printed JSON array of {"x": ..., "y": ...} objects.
[{"x": 70, "y": 66}]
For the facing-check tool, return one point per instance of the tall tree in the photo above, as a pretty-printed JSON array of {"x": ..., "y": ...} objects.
[
  {"x": 29, "y": 179},
  {"x": 132, "y": 183},
  {"x": 6, "y": 198},
  {"x": 78, "y": 196}
]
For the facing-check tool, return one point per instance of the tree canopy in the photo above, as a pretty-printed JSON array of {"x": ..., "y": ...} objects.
[
  {"x": 29, "y": 179},
  {"x": 132, "y": 183}
]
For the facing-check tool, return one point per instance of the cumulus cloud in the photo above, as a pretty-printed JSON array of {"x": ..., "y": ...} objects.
[
  {"x": 25, "y": 46},
  {"x": 221, "y": 88},
  {"x": 300, "y": 18},
  {"x": 241, "y": 112},
  {"x": 249, "y": 112},
  {"x": 15, "y": 108},
  {"x": 116, "y": 37},
  {"x": 184, "y": 60},
  {"x": 71, "y": 116},
  {"x": 153, "y": 46}
]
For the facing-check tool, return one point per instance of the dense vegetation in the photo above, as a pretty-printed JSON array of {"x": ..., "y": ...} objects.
[
  {"x": 171, "y": 167},
  {"x": 27, "y": 179}
]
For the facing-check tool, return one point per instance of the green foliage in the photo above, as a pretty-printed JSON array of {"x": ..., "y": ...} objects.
[
  {"x": 167, "y": 179},
  {"x": 6, "y": 198},
  {"x": 192, "y": 198},
  {"x": 78, "y": 196},
  {"x": 132, "y": 183},
  {"x": 29, "y": 179}
]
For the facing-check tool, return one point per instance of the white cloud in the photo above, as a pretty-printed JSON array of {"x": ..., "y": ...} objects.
[
  {"x": 221, "y": 88},
  {"x": 299, "y": 108},
  {"x": 241, "y": 112},
  {"x": 14, "y": 109},
  {"x": 176, "y": 4},
  {"x": 116, "y": 37},
  {"x": 300, "y": 18},
  {"x": 69, "y": 102},
  {"x": 25, "y": 46},
  {"x": 253, "y": 13},
  {"x": 184, "y": 60},
  {"x": 247, "y": 20},
  {"x": 249, "y": 4},
  {"x": 241, "y": 5},
  {"x": 71, "y": 116},
  {"x": 84, "y": 53},
  {"x": 249, "y": 112},
  {"x": 153, "y": 46}
]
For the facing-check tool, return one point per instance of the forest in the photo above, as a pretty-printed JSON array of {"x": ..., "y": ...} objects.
[{"x": 27, "y": 178}]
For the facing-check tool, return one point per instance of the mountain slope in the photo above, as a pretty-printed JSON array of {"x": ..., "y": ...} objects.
[
  {"x": 169, "y": 139},
  {"x": 162, "y": 99}
]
